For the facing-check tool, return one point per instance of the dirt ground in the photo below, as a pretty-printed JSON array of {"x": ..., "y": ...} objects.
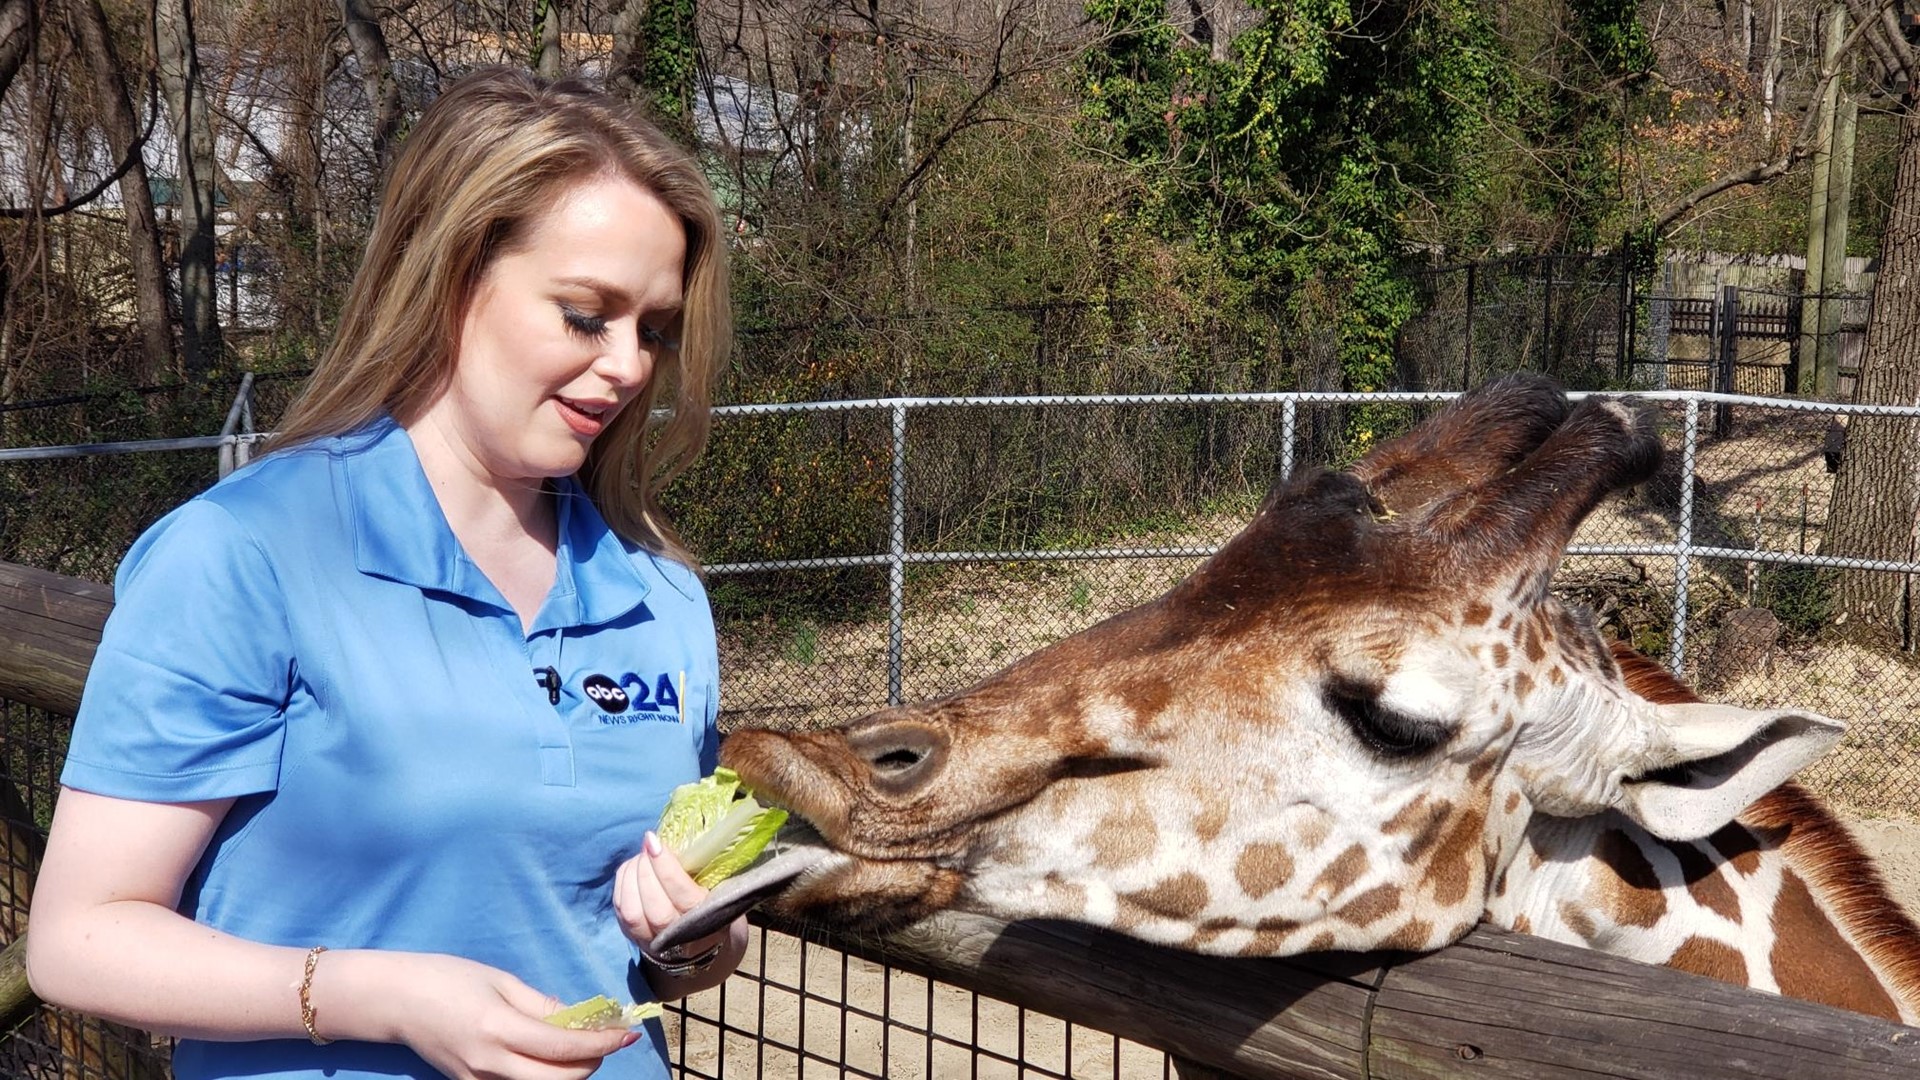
[{"x": 1894, "y": 844}]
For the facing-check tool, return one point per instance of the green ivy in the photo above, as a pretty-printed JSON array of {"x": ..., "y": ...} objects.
[
  {"x": 1337, "y": 139},
  {"x": 1297, "y": 159},
  {"x": 672, "y": 55}
]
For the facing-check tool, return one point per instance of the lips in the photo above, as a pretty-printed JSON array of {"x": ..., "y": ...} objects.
[{"x": 586, "y": 418}]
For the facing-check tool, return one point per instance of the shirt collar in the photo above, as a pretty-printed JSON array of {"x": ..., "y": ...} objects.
[{"x": 399, "y": 533}]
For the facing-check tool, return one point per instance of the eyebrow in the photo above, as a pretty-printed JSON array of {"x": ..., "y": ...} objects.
[
  {"x": 607, "y": 288},
  {"x": 594, "y": 284}
]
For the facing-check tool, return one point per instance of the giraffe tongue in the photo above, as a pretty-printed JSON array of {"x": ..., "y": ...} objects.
[{"x": 737, "y": 895}]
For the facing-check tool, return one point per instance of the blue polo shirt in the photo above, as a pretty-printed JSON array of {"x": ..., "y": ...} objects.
[{"x": 411, "y": 769}]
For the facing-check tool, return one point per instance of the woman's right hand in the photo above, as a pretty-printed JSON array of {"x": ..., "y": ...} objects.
[{"x": 468, "y": 1020}]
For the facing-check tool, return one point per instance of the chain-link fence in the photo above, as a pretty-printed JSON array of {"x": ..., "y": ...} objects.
[
  {"x": 861, "y": 553},
  {"x": 965, "y": 533}
]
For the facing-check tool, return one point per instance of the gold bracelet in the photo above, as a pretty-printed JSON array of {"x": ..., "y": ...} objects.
[{"x": 306, "y": 995}]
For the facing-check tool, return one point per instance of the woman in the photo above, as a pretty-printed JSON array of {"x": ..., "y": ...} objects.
[{"x": 364, "y": 776}]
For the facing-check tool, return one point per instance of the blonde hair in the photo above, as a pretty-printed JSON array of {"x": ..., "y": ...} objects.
[{"x": 485, "y": 162}]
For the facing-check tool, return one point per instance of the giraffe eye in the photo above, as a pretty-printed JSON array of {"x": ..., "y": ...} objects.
[{"x": 1389, "y": 734}]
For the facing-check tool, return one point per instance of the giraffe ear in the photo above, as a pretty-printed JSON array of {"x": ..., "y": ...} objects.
[{"x": 1710, "y": 762}]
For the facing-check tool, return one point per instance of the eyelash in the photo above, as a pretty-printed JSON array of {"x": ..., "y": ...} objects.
[
  {"x": 594, "y": 328},
  {"x": 580, "y": 324},
  {"x": 1389, "y": 734}
]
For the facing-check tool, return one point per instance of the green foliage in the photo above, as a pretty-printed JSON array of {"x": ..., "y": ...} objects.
[
  {"x": 672, "y": 55},
  {"x": 1609, "y": 31},
  {"x": 1801, "y": 597},
  {"x": 1296, "y": 160}
]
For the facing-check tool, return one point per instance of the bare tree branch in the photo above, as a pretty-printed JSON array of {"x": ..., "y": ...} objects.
[
  {"x": 77, "y": 202},
  {"x": 1799, "y": 149},
  {"x": 17, "y": 31}
]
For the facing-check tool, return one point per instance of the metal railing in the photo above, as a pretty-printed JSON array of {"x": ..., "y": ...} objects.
[{"x": 237, "y": 441}]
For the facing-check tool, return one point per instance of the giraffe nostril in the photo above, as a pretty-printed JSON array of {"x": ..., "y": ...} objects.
[
  {"x": 900, "y": 754},
  {"x": 894, "y": 761}
]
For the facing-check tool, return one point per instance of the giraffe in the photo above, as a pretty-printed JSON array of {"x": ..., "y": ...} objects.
[{"x": 1364, "y": 723}]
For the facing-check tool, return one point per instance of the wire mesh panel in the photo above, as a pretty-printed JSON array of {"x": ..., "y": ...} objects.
[
  {"x": 798, "y": 1008},
  {"x": 53, "y": 1044}
]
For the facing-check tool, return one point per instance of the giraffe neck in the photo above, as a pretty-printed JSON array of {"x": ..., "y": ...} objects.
[{"x": 1781, "y": 900}]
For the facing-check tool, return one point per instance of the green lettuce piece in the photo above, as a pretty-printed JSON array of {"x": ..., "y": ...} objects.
[
  {"x": 717, "y": 827},
  {"x": 601, "y": 1012}
]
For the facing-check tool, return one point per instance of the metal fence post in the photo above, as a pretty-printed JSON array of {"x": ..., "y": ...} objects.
[
  {"x": 1466, "y": 364},
  {"x": 233, "y": 451},
  {"x": 1729, "y": 351},
  {"x": 1683, "y": 542},
  {"x": 1289, "y": 418},
  {"x": 897, "y": 560}
]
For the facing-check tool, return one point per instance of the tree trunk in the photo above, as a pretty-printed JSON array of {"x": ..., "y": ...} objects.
[
  {"x": 89, "y": 25},
  {"x": 549, "y": 64},
  {"x": 1874, "y": 496},
  {"x": 628, "y": 73},
  {"x": 193, "y": 131},
  {"x": 376, "y": 76},
  {"x": 17, "y": 31}
]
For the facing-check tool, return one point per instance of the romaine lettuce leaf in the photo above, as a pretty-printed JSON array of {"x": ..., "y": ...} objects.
[
  {"x": 717, "y": 827},
  {"x": 601, "y": 1012}
]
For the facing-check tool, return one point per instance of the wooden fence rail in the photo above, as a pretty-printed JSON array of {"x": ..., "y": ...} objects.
[{"x": 1493, "y": 1005}]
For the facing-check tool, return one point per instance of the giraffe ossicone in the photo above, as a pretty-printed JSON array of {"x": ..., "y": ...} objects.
[{"x": 1365, "y": 723}]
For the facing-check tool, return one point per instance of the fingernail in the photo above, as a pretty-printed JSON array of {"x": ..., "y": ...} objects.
[
  {"x": 652, "y": 844},
  {"x": 632, "y": 1037}
]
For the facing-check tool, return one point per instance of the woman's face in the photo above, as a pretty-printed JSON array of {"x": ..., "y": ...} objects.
[{"x": 563, "y": 331}]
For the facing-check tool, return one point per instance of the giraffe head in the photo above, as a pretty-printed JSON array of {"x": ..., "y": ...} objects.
[{"x": 1329, "y": 736}]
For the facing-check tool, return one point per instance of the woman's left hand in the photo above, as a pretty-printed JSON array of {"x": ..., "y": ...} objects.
[{"x": 650, "y": 891}]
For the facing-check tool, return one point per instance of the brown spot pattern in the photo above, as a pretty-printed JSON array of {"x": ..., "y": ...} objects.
[
  {"x": 1210, "y": 822},
  {"x": 1522, "y": 687},
  {"x": 1812, "y": 961},
  {"x": 1738, "y": 846},
  {"x": 1181, "y": 896},
  {"x": 1501, "y": 655},
  {"x": 1705, "y": 882},
  {"x": 1413, "y": 935},
  {"x": 1477, "y": 614},
  {"x": 1371, "y": 906},
  {"x": 1704, "y": 956},
  {"x": 1522, "y": 924},
  {"x": 1576, "y": 920},
  {"x": 1513, "y": 802},
  {"x": 1262, "y": 868},
  {"x": 1425, "y": 821},
  {"x": 1341, "y": 873},
  {"x": 1631, "y": 894},
  {"x": 1536, "y": 651},
  {"x": 1451, "y": 872},
  {"x": 1271, "y": 937},
  {"x": 1124, "y": 838}
]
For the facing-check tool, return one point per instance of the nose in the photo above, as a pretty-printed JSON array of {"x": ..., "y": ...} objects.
[
  {"x": 626, "y": 362},
  {"x": 901, "y": 755}
]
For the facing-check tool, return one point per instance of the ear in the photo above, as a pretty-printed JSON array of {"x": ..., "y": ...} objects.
[{"x": 1710, "y": 762}]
